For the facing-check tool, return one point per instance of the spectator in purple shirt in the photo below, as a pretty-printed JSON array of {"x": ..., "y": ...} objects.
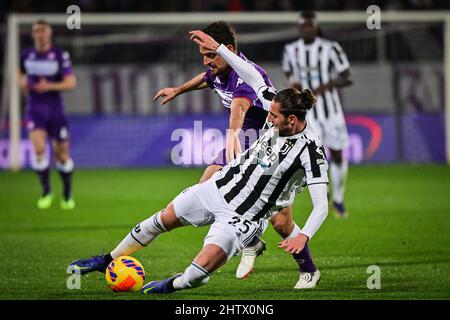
[{"x": 46, "y": 71}]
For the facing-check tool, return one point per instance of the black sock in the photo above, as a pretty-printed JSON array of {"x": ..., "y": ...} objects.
[
  {"x": 44, "y": 179},
  {"x": 108, "y": 258},
  {"x": 66, "y": 178}
]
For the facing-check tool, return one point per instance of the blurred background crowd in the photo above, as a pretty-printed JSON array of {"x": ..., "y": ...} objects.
[{"x": 26, "y": 6}]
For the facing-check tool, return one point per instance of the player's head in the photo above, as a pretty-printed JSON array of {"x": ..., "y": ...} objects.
[
  {"x": 289, "y": 108},
  {"x": 223, "y": 33},
  {"x": 41, "y": 33},
  {"x": 308, "y": 26}
]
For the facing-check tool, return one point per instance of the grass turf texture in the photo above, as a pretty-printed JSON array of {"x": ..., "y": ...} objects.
[{"x": 399, "y": 220}]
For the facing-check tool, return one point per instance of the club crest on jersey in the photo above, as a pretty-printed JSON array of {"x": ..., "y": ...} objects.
[{"x": 286, "y": 147}]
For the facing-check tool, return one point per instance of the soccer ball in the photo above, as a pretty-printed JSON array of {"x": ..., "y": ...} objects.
[{"x": 125, "y": 274}]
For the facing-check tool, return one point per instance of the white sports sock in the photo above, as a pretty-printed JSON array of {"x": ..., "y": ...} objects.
[
  {"x": 65, "y": 167},
  {"x": 194, "y": 276},
  {"x": 40, "y": 163},
  {"x": 140, "y": 236},
  {"x": 295, "y": 232},
  {"x": 338, "y": 179}
]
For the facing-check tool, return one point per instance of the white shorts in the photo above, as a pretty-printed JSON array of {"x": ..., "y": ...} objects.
[
  {"x": 332, "y": 132},
  {"x": 202, "y": 205}
]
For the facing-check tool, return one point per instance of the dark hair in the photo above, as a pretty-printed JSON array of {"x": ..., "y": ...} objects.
[
  {"x": 222, "y": 32},
  {"x": 308, "y": 15},
  {"x": 295, "y": 102},
  {"x": 41, "y": 21},
  {"x": 311, "y": 15}
]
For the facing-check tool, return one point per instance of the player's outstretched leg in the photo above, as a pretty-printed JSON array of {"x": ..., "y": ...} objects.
[
  {"x": 197, "y": 274},
  {"x": 139, "y": 237},
  {"x": 250, "y": 252}
]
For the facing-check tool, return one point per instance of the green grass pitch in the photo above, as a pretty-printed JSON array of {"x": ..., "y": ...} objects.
[{"x": 399, "y": 220}]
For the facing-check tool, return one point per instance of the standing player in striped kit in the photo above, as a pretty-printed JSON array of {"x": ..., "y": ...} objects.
[
  {"x": 45, "y": 72},
  {"x": 311, "y": 62}
]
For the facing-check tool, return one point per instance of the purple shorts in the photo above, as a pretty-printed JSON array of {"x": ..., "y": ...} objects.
[
  {"x": 246, "y": 138},
  {"x": 54, "y": 123}
]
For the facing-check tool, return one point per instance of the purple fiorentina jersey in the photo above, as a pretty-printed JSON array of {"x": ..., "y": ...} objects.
[
  {"x": 52, "y": 65},
  {"x": 231, "y": 86}
]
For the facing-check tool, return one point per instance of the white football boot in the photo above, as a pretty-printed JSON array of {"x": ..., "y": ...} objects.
[
  {"x": 308, "y": 280},
  {"x": 248, "y": 259}
]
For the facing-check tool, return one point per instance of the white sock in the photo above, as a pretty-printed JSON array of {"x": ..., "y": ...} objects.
[
  {"x": 140, "y": 236},
  {"x": 65, "y": 167},
  {"x": 338, "y": 174},
  {"x": 194, "y": 276},
  {"x": 295, "y": 232},
  {"x": 40, "y": 163}
]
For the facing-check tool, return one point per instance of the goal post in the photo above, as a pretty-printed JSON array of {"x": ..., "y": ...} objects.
[{"x": 15, "y": 21}]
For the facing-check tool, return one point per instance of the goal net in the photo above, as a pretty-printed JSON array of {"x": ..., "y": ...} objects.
[{"x": 395, "y": 109}]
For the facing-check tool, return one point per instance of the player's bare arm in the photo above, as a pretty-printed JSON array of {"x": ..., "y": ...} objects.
[
  {"x": 168, "y": 94},
  {"x": 238, "y": 109},
  {"x": 68, "y": 83},
  {"x": 343, "y": 79},
  {"x": 23, "y": 83}
]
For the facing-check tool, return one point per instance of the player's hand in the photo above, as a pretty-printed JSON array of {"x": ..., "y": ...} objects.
[
  {"x": 23, "y": 85},
  {"x": 203, "y": 40},
  {"x": 294, "y": 245},
  {"x": 232, "y": 146},
  {"x": 42, "y": 86},
  {"x": 321, "y": 89},
  {"x": 167, "y": 94}
]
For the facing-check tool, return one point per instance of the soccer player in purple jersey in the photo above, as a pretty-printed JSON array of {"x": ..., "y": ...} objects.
[
  {"x": 246, "y": 112},
  {"x": 46, "y": 71}
]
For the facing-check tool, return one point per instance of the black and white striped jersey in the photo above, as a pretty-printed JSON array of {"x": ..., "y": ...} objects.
[
  {"x": 267, "y": 177},
  {"x": 314, "y": 64}
]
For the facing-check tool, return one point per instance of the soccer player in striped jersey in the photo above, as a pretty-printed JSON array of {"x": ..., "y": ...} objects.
[
  {"x": 247, "y": 111},
  {"x": 247, "y": 116},
  {"x": 46, "y": 71},
  {"x": 283, "y": 222},
  {"x": 311, "y": 63},
  {"x": 257, "y": 184}
]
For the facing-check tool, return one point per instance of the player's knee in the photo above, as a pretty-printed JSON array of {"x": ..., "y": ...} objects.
[
  {"x": 39, "y": 149},
  {"x": 195, "y": 276}
]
